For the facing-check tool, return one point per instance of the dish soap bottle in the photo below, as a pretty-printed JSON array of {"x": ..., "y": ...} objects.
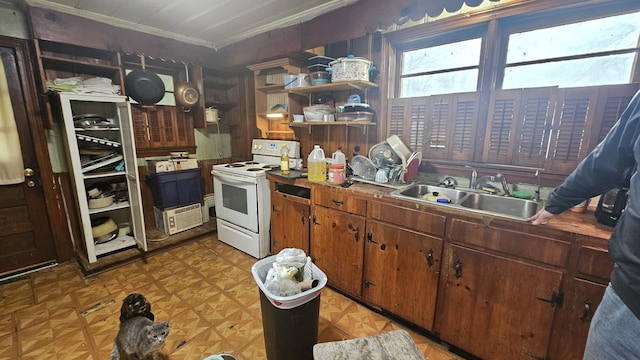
[
  {"x": 317, "y": 165},
  {"x": 284, "y": 159}
]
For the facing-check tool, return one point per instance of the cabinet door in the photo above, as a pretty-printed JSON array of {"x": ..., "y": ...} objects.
[
  {"x": 401, "y": 272},
  {"x": 495, "y": 307},
  {"x": 337, "y": 247},
  {"x": 289, "y": 223},
  {"x": 571, "y": 326},
  {"x": 162, "y": 127},
  {"x": 132, "y": 176}
]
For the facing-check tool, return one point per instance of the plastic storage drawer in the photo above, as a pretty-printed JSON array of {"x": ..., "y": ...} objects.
[{"x": 175, "y": 188}]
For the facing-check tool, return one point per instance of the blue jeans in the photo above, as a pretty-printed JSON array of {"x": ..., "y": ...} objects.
[{"x": 614, "y": 333}]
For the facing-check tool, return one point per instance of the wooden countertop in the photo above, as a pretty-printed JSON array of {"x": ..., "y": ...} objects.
[{"x": 577, "y": 223}]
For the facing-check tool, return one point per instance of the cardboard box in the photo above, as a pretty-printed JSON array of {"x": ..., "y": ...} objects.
[
  {"x": 184, "y": 164},
  {"x": 158, "y": 166}
]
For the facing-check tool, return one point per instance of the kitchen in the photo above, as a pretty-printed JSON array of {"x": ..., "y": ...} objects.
[{"x": 339, "y": 42}]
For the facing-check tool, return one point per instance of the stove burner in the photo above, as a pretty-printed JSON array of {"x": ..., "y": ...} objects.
[
  {"x": 254, "y": 169},
  {"x": 235, "y": 165},
  {"x": 251, "y": 163},
  {"x": 271, "y": 166}
]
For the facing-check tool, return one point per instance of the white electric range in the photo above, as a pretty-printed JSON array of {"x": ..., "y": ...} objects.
[{"x": 242, "y": 199}]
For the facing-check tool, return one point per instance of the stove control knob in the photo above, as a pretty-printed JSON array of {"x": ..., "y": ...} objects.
[{"x": 258, "y": 147}]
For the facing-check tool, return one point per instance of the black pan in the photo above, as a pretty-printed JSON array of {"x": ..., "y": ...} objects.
[{"x": 144, "y": 86}]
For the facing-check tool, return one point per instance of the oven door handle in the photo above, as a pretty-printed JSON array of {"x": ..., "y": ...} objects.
[{"x": 234, "y": 180}]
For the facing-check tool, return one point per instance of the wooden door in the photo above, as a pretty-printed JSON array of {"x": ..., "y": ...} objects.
[
  {"x": 574, "y": 318},
  {"x": 289, "y": 223},
  {"x": 25, "y": 234},
  {"x": 496, "y": 307},
  {"x": 337, "y": 247},
  {"x": 401, "y": 272}
]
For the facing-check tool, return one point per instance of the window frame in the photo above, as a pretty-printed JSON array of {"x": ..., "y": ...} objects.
[
  {"x": 448, "y": 37},
  {"x": 523, "y": 23},
  {"x": 495, "y": 26}
]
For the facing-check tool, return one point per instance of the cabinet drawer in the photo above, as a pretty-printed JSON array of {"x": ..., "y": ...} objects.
[
  {"x": 339, "y": 200},
  {"x": 594, "y": 262},
  {"x": 413, "y": 219},
  {"x": 533, "y": 247}
]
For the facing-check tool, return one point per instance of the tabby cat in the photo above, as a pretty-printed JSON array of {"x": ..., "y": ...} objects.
[{"x": 139, "y": 338}]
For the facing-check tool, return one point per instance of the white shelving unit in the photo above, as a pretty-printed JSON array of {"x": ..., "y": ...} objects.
[{"x": 88, "y": 171}]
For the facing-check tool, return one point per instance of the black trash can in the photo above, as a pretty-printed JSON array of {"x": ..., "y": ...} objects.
[{"x": 289, "y": 323}]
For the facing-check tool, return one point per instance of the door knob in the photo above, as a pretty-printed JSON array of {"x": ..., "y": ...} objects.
[
  {"x": 31, "y": 183},
  {"x": 28, "y": 172}
]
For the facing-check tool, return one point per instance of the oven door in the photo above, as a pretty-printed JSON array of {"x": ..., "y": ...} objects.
[{"x": 236, "y": 199}]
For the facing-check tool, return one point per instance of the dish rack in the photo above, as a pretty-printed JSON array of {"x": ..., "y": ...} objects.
[{"x": 96, "y": 140}]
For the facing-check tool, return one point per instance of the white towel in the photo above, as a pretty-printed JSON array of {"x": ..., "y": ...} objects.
[{"x": 11, "y": 164}]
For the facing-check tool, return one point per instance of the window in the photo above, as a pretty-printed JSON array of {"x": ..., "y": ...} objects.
[
  {"x": 441, "y": 69},
  {"x": 587, "y": 53}
]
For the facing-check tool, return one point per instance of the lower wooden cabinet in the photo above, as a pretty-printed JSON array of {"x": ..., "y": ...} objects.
[
  {"x": 337, "y": 247},
  {"x": 574, "y": 318},
  {"x": 496, "y": 307},
  {"x": 289, "y": 221},
  {"x": 504, "y": 290},
  {"x": 401, "y": 270}
]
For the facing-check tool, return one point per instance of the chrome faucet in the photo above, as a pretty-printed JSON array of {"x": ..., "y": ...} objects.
[
  {"x": 482, "y": 180},
  {"x": 536, "y": 197},
  {"x": 474, "y": 176},
  {"x": 505, "y": 185}
]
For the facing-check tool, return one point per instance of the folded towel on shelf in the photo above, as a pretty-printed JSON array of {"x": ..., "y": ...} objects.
[
  {"x": 11, "y": 163},
  {"x": 98, "y": 85}
]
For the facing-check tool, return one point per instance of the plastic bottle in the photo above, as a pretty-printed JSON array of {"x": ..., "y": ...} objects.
[
  {"x": 338, "y": 158},
  {"x": 284, "y": 159},
  {"x": 336, "y": 174},
  {"x": 317, "y": 165}
]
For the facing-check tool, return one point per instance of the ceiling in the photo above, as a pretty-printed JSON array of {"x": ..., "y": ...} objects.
[{"x": 210, "y": 23}]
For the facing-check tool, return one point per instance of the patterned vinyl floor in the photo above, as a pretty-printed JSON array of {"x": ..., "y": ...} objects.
[{"x": 204, "y": 288}]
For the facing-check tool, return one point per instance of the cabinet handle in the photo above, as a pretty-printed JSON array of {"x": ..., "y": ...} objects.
[
  {"x": 273, "y": 209},
  {"x": 430, "y": 257},
  {"x": 357, "y": 234},
  {"x": 313, "y": 219},
  {"x": 556, "y": 299},
  {"x": 337, "y": 202},
  {"x": 370, "y": 238},
  {"x": 302, "y": 218},
  {"x": 368, "y": 283},
  {"x": 587, "y": 314},
  {"x": 458, "y": 268}
]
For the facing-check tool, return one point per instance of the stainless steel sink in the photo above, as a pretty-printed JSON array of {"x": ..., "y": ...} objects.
[
  {"x": 418, "y": 192},
  {"x": 515, "y": 207}
]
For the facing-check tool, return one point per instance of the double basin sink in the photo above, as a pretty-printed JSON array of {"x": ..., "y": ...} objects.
[{"x": 471, "y": 200}]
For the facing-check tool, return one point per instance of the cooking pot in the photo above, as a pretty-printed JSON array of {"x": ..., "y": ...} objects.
[
  {"x": 186, "y": 93},
  {"x": 103, "y": 229},
  {"x": 144, "y": 86}
]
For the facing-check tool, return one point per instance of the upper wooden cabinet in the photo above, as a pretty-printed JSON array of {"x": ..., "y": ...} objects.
[{"x": 159, "y": 130}]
